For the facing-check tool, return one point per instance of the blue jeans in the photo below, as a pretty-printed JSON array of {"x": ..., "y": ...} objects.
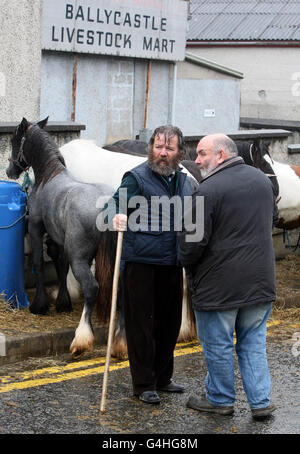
[{"x": 215, "y": 332}]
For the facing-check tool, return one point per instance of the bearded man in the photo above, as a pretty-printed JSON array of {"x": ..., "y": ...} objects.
[{"x": 152, "y": 276}]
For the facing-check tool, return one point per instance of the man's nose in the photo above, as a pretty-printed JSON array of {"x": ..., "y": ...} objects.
[{"x": 163, "y": 152}]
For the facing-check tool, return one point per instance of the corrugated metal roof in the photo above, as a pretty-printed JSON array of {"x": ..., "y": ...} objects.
[{"x": 244, "y": 20}]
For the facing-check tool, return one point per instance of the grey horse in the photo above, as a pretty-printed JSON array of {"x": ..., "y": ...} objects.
[{"x": 70, "y": 212}]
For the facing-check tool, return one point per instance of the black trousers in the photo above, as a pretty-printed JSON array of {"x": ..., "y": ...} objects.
[{"x": 152, "y": 302}]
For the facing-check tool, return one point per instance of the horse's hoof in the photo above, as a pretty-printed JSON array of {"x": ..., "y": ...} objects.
[
  {"x": 78, "y": 351},
  {"x": 66, "y": 308},
  {"x": 77, "y": 354},
  {"x": 38, "y": 310},
  {"x": 119, "y": 349},
  {"x": 63, "y": 302}
]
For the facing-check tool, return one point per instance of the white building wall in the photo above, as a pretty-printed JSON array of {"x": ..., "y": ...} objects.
[
  {"x": 268, "y": 89},
  {"x": 207, "y": 101}
]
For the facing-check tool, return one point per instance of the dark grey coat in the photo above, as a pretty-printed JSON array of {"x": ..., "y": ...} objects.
[{"x": 234, "y": 264}]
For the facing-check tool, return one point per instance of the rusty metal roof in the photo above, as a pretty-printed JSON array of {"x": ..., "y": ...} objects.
[{"x": 244, "y": 20}]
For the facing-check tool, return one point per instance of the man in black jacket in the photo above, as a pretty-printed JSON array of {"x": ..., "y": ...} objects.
[{"x": 231, "y": 273}]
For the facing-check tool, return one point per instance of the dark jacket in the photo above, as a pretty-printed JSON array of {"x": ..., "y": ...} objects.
[
  {"x": 150, "y": 244},
  {"x": 234, "y": 264}
]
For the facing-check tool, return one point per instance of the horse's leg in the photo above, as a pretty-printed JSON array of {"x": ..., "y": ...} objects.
[
  {"x": 84, "y": 337},
  {"x": 119, "y": 344},
  {"x": 40, "y": 304},
  {"x": 61, "y": 263},
  {"x": 63, "y": 301}
]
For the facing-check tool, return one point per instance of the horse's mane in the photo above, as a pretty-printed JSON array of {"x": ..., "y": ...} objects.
[{"x": 53, "y": 162}]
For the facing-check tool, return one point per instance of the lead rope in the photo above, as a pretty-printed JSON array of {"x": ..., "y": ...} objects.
[{"x": 287, "y": 236}]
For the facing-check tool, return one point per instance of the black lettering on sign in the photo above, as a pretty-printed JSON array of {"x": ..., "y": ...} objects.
[
  {"x": 153, "y": 24},
  {"x": 69, "y": 11},
  {"x": 80, "y": 36},
  {"x": 157, "y": 45},
  {"x": 117, "y": 13},
  {"x": 137, "y": 20},
  {"x": 127, "y": 20},
  {"x": 117, "y": 39},
  {"x": 88, "y": 16},
  {"x": 164, "y": 44},
  {"x": 70, "y": 35},
  {"x": 90, "y": 37},
  {"x": 79, "y": 13},
  {"x": 99, "y": 21},
  {"x": 107, "y": 15},
  {"x": 127, "y": 41},
  {"x": 146, "y": 20},
  {"x": 163, "y": 24},
  {"x": 53, "y": 34},
  {"x": 99, "y": 37},
  {"x": 108, "y": 39},
  {"x": 147, "y": 45}
]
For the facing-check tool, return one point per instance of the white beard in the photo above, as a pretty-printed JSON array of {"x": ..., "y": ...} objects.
[{"x": 205, "y": 172}]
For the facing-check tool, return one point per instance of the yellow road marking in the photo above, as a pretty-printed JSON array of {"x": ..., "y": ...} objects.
[
  {"x": 69, "y": 372},
  {"x": 60, "y": 376}
]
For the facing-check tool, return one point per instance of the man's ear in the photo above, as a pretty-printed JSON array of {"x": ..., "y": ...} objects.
[{"x": 43, "y": 123}]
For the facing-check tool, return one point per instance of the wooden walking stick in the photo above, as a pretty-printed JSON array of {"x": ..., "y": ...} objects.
[{"x": 112, "y": 318}]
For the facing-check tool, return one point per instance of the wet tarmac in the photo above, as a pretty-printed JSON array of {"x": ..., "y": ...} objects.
[{"x": 71, "y": 405}]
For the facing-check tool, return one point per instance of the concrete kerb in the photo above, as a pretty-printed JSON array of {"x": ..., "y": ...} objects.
[
  {"x": 16, "y": 348},
  {"x": 35, "y": 345},
  {"x": 19, "y": 348}
]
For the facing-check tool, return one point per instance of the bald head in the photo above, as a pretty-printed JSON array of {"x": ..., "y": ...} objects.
[
  {"x": 212, "y": 150},
  {"x": 219, "y": 142}
]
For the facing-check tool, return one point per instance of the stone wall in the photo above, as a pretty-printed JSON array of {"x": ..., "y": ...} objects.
[{"x": 20, "y": 59}]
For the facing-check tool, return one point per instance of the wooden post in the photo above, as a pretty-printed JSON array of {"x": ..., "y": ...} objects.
[
  {"x": 74, "y": 87},
  {"x": 112, "y": 319},
  {"x": 147, "y": 93}
]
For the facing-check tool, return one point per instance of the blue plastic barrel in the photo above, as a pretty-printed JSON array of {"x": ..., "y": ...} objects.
[{"x": 12, "y": 230}]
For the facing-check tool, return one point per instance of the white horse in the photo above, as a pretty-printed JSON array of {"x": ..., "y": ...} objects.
[
  {"x": 92, "y": 164},
  {"x": 289, "y": 193}
]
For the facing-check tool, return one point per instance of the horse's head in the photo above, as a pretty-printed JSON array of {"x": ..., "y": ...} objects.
[
  {"x": 259, "y": 152},
  {"x": 19, "y": 160},
  {"x": 254, "y": 154}
]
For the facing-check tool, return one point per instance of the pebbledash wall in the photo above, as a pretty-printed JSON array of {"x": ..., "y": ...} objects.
[{"x": 20, "y": 59}]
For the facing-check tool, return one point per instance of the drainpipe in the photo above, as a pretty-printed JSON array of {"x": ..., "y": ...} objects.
[
  {"x": 145, "y": 134},
  {"x": 74, "y": 87},
  {"x": 147, "y": 94},
  {"x": 174, "y": 93}
]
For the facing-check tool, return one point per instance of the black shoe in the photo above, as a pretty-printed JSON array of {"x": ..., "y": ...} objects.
[
  {"x": 150, "y": 397},
  {"x": 262, "y": 413},
  {"x": 202, "y": 404},
  {"x": 172, "y": 387}
]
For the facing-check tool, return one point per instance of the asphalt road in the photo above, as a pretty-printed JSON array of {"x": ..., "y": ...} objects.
[{"x": 60, "y": 396}]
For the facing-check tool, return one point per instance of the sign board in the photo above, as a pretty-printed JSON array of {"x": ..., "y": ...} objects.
[{"x": 152, "y": 29}]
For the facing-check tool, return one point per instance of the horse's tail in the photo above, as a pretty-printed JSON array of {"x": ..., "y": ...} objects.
[
  {"x": 104, "y": 270},
  {"x": 188, "y": 329}
]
